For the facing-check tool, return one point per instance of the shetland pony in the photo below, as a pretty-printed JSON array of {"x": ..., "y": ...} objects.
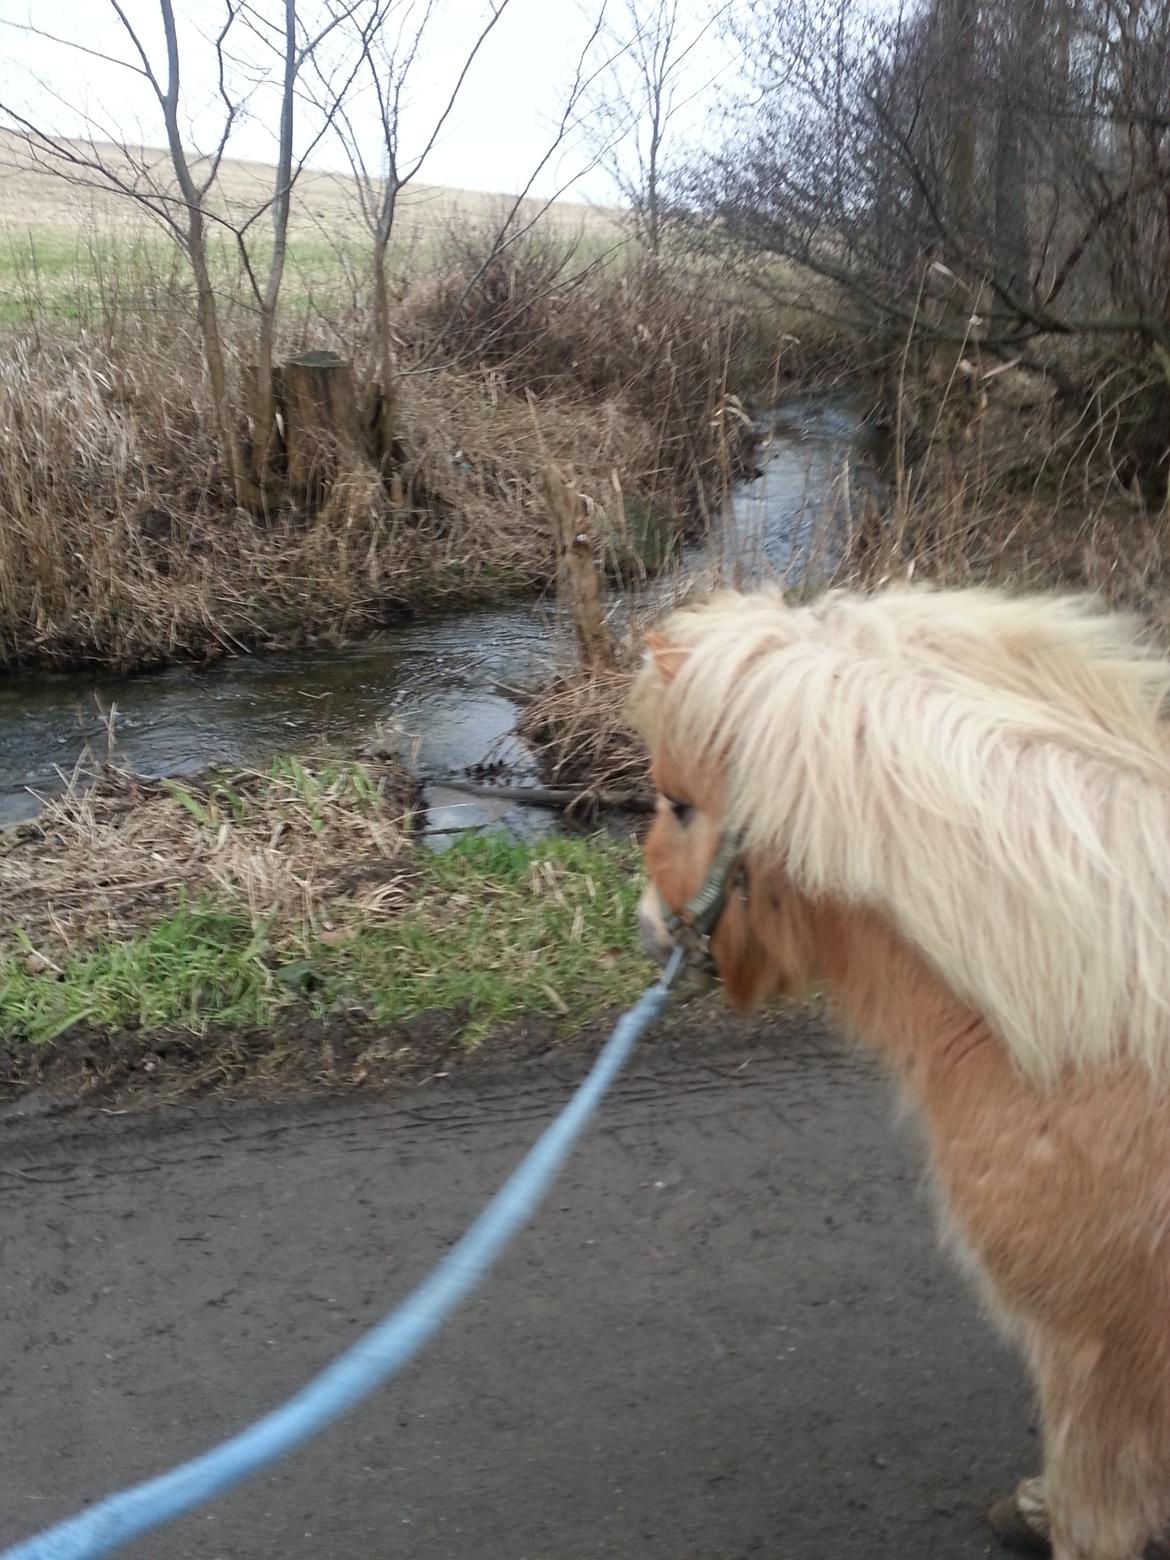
[{"x": 953, "y": 813}]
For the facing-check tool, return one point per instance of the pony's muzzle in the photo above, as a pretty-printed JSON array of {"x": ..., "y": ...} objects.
[{"x": 656, "y": 940}]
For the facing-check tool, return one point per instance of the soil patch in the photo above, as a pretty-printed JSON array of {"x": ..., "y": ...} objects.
[{"x": 93, "y": 1068}]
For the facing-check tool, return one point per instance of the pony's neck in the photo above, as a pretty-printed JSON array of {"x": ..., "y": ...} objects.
[{"x": 890, "y": 998}]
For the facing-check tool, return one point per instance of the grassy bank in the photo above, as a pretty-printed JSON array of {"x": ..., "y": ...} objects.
[{"x": 180, "y": 918}]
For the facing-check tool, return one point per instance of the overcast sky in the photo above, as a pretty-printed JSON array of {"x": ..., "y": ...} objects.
[{"x": 514, "y": 94}]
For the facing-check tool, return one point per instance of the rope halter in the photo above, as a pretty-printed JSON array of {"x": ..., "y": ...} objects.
[{"x": 692, "y": 927}]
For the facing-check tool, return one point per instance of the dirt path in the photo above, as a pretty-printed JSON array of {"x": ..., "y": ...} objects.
[{"x": 729, "y": 1334}]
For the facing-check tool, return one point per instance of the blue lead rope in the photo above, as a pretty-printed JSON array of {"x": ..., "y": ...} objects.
[{"x": 374, "y": 1359}]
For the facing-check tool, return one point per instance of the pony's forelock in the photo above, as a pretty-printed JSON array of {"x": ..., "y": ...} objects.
[{"x": 990, "y": 773}]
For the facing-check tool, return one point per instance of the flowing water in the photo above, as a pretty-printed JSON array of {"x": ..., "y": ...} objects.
[{"x": 435, "y": 689}]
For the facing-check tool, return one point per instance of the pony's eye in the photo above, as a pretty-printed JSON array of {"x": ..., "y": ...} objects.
[{"x": 681, "y": 810}]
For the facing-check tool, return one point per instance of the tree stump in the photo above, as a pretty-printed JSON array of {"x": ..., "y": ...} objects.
[
  {"x": 322, "y": 432},
  {"x": 578, "y": 577}
]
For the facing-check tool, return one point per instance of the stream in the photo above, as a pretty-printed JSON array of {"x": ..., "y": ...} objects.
[{"x": 434, "y": 689}]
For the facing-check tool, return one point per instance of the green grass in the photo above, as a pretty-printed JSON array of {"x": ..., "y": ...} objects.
[
  {"x": 55, "y": 275},
  {"x": 495, "y": 929},
  {"x": 88, "y": 273}
]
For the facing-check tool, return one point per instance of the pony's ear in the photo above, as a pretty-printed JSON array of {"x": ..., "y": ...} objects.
[{"x": 668, "y": 659}]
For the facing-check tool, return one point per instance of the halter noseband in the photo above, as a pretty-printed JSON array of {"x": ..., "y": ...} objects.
[{"x": 692, "y": 926}]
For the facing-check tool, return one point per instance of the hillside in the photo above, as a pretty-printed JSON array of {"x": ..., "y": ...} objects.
[{"x": 325, "y": 205}]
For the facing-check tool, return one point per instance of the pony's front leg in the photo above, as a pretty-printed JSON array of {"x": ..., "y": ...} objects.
[
  {"x": 1105, "y": 1491},
  {"x": 1022, "y": 1521}
]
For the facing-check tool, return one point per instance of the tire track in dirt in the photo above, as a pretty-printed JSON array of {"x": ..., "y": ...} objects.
[{"x": 728, "y": 1332}]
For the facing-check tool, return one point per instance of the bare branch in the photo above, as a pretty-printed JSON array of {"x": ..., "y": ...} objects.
[
  {"x": 230, "y": 106},
  {"x": 131, "y": 33},
  {"x": 72, "y": 43},
  {"x": 497, "y": 12}
]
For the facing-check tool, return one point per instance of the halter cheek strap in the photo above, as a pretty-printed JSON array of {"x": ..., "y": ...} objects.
[{"x": 692, "y": 926}]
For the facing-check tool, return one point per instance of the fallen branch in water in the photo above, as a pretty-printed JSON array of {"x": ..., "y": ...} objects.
[{"x": 562, "y": 798}]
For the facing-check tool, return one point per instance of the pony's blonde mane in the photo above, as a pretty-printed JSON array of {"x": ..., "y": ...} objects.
[{"x": 991, "y": 773}]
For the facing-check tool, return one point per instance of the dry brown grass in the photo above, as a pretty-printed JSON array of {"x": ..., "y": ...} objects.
[
  {"x": 118, "y": 547},
  {"x": 299, "y": 846},
  {"x": 671, "y": 345},
  {"x": 575, "y": 724},
  {"x": 1020, "y": 493}
]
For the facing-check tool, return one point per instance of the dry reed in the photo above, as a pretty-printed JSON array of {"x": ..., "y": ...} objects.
[
  {"x": 119, "y": 548},
  {"x": 1025, "y": 498}
]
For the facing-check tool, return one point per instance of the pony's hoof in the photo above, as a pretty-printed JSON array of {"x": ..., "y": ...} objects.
[{"x": 1013, "y": 1529}]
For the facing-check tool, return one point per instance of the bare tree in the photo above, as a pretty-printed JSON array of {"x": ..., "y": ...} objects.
[
  {"x": 655, "y": 74},
  {"x": 382, "y": 42},
  {"x": 177, "y": 201},
  {"x": 177, "y": 192},
  {"x": 1012, "y": 153},
  {"x": 291, "y": 46},
  {"x": 1014, "y": 146}
]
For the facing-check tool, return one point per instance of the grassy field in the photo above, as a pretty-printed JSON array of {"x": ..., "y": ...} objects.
[{"x": 62, "y": 246}]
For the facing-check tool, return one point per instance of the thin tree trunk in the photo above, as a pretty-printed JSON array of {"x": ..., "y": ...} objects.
[
  {"x": 1013, "y": 162},
  {"x": 652, "y": 198},
  {"x": 947, "y": 410},
  {"x": 960, "y": 43},
  {"x": 263, "y": 396},
  {"x": 213, "y": 354},
  {"x": 196, "y": 242},
  {"x": 384, "y": 430}
]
